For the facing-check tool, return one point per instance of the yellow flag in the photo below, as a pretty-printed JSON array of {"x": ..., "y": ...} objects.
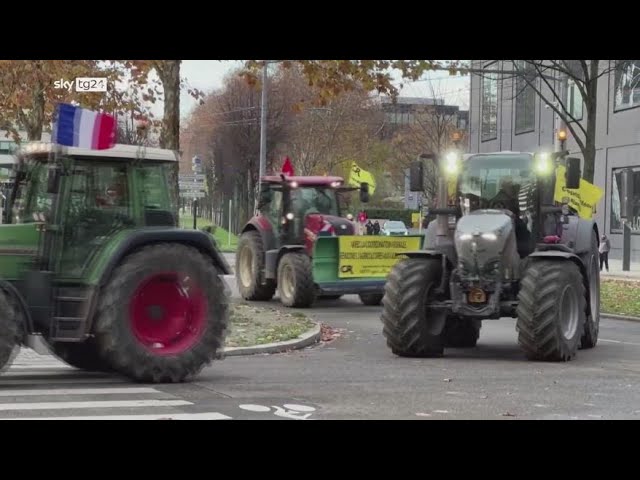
[
  {"x": 582, "y": 199},
  {"x": 357, "y": 176}
]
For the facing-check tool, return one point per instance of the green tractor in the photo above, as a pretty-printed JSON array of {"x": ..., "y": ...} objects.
[
  {"x": 94, "y": 265},
  {"x": 503, "y": 245},
  {"x": 293, "y": 245}
]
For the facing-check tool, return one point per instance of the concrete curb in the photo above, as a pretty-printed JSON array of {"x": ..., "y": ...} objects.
[
  {"x": 309, "y": 338},
  {"x": 613, "y": 316}
]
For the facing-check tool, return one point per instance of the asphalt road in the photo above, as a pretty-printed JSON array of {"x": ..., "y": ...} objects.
[{"x": 353, "y": 377}]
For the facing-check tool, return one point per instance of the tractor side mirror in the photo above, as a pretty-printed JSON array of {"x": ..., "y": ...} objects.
[
  {"x": 364, "y": 192},
  {"x": 416, "y": 176},
  {"x": 626, "y": 193},
  {"x": 53, "y": 180},
  {"x": 573, "y": 173},
  {"x": 265, "y": 197}
]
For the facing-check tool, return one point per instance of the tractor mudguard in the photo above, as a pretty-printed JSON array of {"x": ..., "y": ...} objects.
[
  {"x": 561, "y": 255},
  {"x": 272, "y": 257},
  {"x": 195, "y": 238},
  {"x": 262, "y": 225},
  {"x": 20, "y": 303},
  {"x": 577, "y": 234}
]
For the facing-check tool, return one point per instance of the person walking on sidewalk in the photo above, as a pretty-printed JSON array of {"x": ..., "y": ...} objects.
[{"x": 605, "y": 246}]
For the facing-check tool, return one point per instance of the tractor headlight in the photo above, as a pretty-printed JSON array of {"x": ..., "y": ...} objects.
[
  {"x": 289, "y": 216},
  {"x": 542, "y": 164},
  {"x": 489, "y": 236},
  {"x": 451, "y": 163}
]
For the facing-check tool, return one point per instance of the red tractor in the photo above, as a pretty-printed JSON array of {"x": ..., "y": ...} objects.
[{"x": 291, "y": 245}]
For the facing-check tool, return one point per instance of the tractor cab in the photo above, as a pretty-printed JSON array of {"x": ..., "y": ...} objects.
[{"x": 299, "y": 209}]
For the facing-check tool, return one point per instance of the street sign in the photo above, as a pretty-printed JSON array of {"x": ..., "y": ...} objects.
[
  {"x": 192, "y": 194},
  {"x": 192, "y": 185},
  {"x": 192, "y": 177}
]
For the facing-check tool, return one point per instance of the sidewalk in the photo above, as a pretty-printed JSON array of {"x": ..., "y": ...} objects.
[{"x": 615, "y": 271}]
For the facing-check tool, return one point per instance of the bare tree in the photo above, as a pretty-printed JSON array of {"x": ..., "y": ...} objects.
[
  {"x": 432, "y": 131},
  {"x": 567, "y": 87}
]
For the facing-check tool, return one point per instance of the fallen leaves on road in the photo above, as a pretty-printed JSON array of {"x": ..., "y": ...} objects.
[
  {"x": 508, "y": 414},
  {"x": 329, "y": 334}
]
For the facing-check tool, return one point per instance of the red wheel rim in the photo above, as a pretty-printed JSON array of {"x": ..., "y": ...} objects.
[{"x": 168, "y": 313}]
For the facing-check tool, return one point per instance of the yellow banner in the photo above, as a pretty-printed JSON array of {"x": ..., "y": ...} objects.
[
  {"x": 358, "y": 175},
  {"x": 372, "y": 256},
  {"x": 582, "y": 199}
]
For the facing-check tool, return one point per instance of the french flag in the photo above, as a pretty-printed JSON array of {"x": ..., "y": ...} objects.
[{"x": 79, "y": 127}]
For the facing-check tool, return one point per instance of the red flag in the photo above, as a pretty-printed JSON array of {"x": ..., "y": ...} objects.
[{"x": 287, "y": 167}]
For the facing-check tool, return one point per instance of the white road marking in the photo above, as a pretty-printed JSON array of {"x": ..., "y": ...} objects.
[
  {"x": 178, "y": 416},
  {"x": 77, "y": 391},
  {"x": 41, "y": 366},
  {"x": 96, "y": 404},
  {"x": 60, "y": 381},
  {"x": 254, "y": 408},
  {"x": 299, "y": 408},
  {"x": 618, "y": 341},
  {"x": 441, "y": 411}
]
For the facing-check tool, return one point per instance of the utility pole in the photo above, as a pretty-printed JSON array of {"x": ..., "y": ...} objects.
[{"x": 263, "y": 121}]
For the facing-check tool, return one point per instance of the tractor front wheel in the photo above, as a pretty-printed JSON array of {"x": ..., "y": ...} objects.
[
  {"x": 9, "y": 331},
  {"x": 411, "y": 327},
  {"x": 551, "y": 310},
  {"x": 371, "y": 299},
  {"x": 163, "y": 315},
  {"x": 295, "y": 280},
  {"x": 250, "y": 268}
]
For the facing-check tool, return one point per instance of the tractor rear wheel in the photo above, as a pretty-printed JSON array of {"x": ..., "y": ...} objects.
[
  {"x": 250, "y": 268},
  {"x": 84, "y": 355},
  {"x": 461, "y": 332},
  {"x": 371, "y": 299},
  {"x": 163, "y": 315},
  {"x": 411, "y": 328},
  {"x": 9, "y": 331},
  {"x": 551, "y": 310},
  {"x": 592, "y": 323},
  {"x": 295, "y": 280}
]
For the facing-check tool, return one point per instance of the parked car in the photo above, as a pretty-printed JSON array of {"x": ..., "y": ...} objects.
[{"x": 394, "y": 227}]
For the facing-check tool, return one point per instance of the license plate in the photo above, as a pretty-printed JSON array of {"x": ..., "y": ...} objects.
[{"x": 477, "y": 295}]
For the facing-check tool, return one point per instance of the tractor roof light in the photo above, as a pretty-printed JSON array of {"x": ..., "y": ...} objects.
[
  {"x": 290, "y": 216},
  {"x": 543, "y": 164},
  {"x": 293, "y": 184},
  {"x": 452, "y": 163},
  {"x": 562, "y": 135},
  {"x": 336, "y": 184}
]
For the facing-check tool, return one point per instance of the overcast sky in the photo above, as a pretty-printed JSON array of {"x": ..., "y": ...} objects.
[{"x": 208, "y": 75}]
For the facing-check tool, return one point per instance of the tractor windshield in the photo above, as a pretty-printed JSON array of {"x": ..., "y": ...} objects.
[
  {"x": 317, "y": 199},
  {"x": 495, "y": 181}
]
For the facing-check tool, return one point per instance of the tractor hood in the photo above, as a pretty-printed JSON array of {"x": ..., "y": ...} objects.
[{"x": 481, "y": 240}]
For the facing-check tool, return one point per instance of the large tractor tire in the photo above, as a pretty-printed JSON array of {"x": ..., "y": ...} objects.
[
  {"x": 592, "y": 323},
  {"x": 250, "y": 268},
  {"x": 410, "y": 327},
  {"x": 163, "y": 315},
  {"x": 295, "y": 280},
  {"x": 551, "y": 310},
  {"x": 9, "y": 331},
  {"x": 371, "y": 299},
  {"x": 461, "y": 332},
  {"x": 83, "y": 355}
]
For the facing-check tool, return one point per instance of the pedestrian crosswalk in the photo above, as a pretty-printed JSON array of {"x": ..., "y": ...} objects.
[{"x": 39, "y": 387}]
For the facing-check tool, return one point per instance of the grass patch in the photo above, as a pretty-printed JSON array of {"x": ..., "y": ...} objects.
[
  {"x": 221, "y": 235},
  {"x": 620, "y": 297},
  {"x": 258, "y": 326}
]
